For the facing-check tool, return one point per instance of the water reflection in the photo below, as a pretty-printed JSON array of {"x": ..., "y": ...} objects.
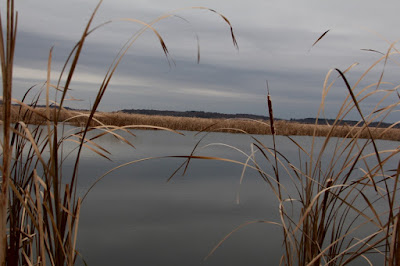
[{"x": 134, "y": 217}]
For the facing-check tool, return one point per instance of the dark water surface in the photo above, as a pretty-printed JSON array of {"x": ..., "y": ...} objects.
[{"x": 134, "y": 217}]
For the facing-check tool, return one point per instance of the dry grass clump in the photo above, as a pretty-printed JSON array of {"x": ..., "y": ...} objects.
[
  {"x": 345, "y": 207},
  {"x": 338, "y": 203}
]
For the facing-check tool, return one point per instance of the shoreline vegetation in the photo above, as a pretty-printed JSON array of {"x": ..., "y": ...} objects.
[{"x": 229, "y": 125}]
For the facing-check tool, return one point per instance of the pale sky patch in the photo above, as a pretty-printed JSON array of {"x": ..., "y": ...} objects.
[{"x": 218, "y": 93}]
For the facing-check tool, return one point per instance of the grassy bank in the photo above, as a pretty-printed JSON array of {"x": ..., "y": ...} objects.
[{"x": 282, "y": 127}]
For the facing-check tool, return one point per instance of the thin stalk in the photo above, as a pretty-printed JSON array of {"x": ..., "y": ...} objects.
[{"x": 7, "y": 57}]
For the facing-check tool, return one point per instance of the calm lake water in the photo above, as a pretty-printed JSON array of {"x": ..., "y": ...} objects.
[{"x": 134, "y": 217}]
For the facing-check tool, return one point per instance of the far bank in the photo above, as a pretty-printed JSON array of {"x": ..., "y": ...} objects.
[{"x": 231, "y": 125}]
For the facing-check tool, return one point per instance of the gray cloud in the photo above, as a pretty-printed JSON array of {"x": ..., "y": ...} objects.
[{"x": 275, "y": 38}]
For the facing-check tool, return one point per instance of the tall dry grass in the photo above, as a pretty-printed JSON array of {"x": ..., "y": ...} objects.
[
  {"x": 7, "y": 47},
  {"x": 338, "y": 203},
  {"x": 39, "y": 203}
]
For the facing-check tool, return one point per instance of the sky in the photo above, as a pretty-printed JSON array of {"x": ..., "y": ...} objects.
[{"x": 274, "y": 37}]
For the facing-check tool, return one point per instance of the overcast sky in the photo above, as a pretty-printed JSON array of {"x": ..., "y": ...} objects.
[{"x": 274, "y": 38}]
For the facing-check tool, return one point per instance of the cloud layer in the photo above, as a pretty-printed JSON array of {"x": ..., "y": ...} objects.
[{"x": 275, "y": 39}]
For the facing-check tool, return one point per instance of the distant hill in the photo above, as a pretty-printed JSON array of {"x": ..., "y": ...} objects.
[
  {"x": 344, "y": 122},
  {"x": 201, "y": 114}
]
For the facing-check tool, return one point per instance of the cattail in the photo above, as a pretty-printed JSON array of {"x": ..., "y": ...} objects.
[{"x": 271, "y": 114}]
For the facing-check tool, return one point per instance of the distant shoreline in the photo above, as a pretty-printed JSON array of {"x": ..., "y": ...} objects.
[
  {"x": 216, "y": 115},
  {"x": 239, "y": 123}
]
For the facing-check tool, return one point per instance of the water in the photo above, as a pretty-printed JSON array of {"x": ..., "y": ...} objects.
[{"x": 133, "y": 216}]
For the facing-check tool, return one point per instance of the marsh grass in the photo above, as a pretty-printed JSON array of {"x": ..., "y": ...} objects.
[
  {"x": 39, "y": 205},
  {"x": 338, "y": 203}
]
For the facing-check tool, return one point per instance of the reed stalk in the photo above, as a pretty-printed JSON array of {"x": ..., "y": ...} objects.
[{"x": 7, "y": 47}]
